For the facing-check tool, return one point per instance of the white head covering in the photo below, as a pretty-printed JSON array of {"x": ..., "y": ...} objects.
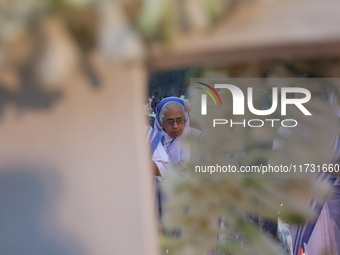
[{"x": 158, "y": 122}]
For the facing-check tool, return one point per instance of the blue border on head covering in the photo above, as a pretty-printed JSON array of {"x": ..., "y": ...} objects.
[
  {"x": 160, "y": 106},
  {"x": 154, "y": 138}
]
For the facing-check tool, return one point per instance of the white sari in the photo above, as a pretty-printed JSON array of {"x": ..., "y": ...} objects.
[{"x": 178, "y": 148}]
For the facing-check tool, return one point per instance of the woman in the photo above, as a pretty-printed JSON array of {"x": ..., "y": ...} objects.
[{"x": 173, "y": 122}]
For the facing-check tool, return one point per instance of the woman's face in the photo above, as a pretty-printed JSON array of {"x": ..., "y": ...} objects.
[{"x": 174, "y": 121}]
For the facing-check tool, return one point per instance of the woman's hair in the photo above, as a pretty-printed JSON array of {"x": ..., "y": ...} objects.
[{"x": 168, "y": 106}]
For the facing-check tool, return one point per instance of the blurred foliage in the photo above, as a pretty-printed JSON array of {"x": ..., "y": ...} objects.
[
  {"x": 54, "y": 38},
  {"x": 215, "y": 215},
  {"x": 39, "y": 34}
]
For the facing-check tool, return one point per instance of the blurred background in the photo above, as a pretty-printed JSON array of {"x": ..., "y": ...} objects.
[{"x": 75, "y": 77}]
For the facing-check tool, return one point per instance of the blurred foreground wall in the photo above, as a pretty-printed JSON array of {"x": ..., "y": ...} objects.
[{"x": 73, "y": 169}]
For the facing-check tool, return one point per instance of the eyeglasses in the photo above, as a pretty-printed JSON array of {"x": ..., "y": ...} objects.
[{"x": 171, "y": 122}]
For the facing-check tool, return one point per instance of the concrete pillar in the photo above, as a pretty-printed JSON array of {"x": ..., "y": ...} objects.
[{"x": 74, "y": 174}]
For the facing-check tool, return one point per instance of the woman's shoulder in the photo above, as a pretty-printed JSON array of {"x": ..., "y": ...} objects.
[{"x": 197, "y": 133}]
